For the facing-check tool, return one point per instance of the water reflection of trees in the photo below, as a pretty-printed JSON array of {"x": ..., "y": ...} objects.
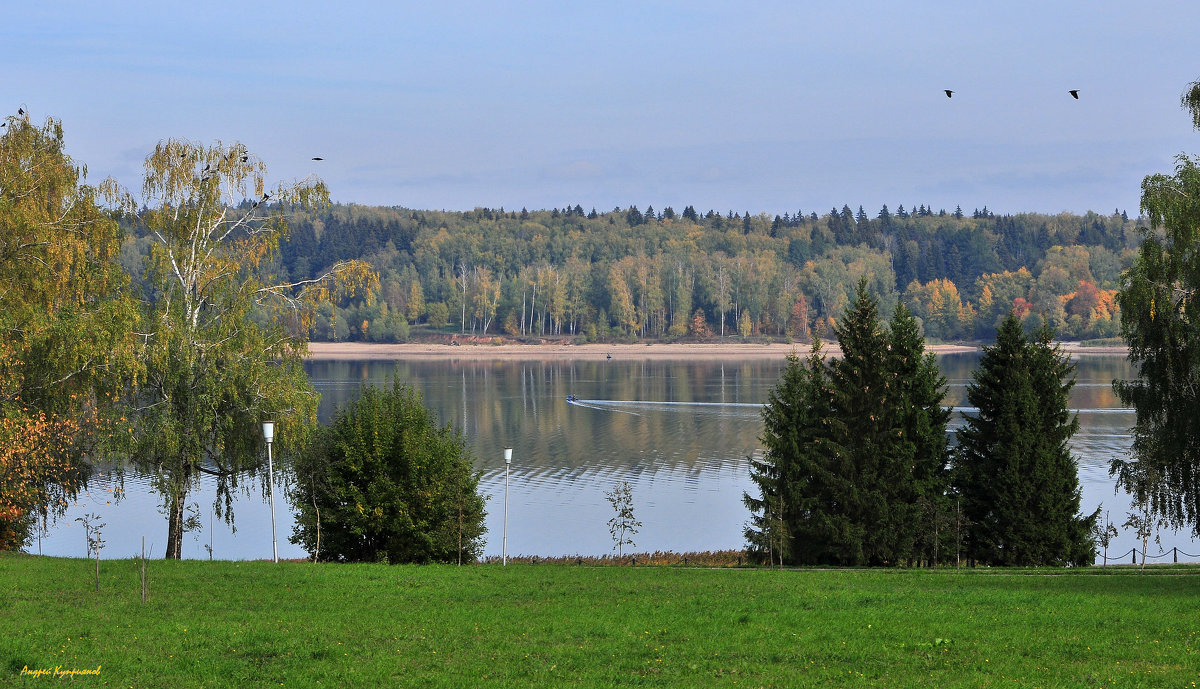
[{"x": 523, "y": 404}]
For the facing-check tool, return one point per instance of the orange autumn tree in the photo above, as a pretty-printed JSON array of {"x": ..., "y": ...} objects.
[
  {"x": 66, "y": 324},
  {"x": 1093, "y": 311},
  {"x": 37, "y": 472}
]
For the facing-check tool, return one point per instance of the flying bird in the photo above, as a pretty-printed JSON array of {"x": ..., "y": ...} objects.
[
  {"x": 318, "y": 158},
  {"x": 949, "y": 93},
  {"x": 1074, "y": 93}
]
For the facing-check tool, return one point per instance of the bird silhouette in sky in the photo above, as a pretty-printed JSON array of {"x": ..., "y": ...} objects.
[
  {"x": 1074, "y": 93},
  {"x": 318, "y": 158},
  {"x": 949, "y": 93},
  {"x": 20, "y": 111}
]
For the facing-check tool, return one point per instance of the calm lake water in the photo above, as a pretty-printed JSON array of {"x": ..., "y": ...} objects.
[{"x": 679, "y": 431}]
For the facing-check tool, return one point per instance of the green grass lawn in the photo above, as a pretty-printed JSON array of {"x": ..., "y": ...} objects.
[{"x": 298, "y": 624}]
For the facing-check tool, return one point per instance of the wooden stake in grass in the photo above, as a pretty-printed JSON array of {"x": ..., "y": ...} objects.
[{"x": 317, "y": 549}]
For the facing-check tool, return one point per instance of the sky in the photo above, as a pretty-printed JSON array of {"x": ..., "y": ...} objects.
[{"x": 752, "y": 106}]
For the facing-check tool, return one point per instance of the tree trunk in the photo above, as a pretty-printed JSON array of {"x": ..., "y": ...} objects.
[
  {"x": 174, "y": 528},
  {"x": 175, "y": 522}
]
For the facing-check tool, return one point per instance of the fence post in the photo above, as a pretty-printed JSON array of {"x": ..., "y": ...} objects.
[
  {"x": 1134, "y": 551},
  {"x": 1175, "y": 554}
]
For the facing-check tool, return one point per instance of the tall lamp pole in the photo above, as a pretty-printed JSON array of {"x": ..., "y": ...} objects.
[
  {"x": 507, "y": 464},
  {"x": 269, "y": 435}
]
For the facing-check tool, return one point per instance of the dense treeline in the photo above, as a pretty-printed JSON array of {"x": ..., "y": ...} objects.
[{"x": 633, "y": 274}]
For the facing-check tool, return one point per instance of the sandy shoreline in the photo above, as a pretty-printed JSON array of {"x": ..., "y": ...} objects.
[{"x": 362, "y": 351}]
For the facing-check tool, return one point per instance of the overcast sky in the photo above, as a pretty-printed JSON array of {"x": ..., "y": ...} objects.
[{"x": 750, "y": 106}]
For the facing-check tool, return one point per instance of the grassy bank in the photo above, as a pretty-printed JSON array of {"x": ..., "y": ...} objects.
[{"x": 297, "y": 624}]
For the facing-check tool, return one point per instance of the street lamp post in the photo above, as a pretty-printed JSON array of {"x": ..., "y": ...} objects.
[
  {"x": 507, "y": 464},
  {"x": 269, "y": 435}
]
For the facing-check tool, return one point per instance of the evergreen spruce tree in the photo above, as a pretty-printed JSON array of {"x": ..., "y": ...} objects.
[
  {"x": 798, "y": 516},
  {"x": 916, "y": 390},
  {"x": 861, "y": 401},
  {"x": 1013, "y": 467},
  {"x": 1070, "y": 539},
  {"x": 855, "y": 465}
]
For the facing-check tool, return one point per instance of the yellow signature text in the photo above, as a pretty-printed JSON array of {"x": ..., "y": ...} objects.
[{"x": 58, "y": 671}]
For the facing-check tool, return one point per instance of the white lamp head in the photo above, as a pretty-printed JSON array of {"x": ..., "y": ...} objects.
[
  {"x": 269, "y": 430},
  {"x": 508, "y": 455}
]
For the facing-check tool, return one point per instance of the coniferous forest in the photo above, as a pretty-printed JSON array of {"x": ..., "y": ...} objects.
[{"x": 632, "y": 274}]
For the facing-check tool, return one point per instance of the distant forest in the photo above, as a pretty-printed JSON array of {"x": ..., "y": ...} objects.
[{"x": 631, "y": 274}]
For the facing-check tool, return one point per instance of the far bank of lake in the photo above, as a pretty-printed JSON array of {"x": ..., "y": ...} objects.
[{"x": 496, "y": 348}]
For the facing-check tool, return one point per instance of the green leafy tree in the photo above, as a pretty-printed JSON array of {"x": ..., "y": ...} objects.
[
  {"x": 1160, "y": 319},
  {"x": 1013, "y": 465},
  {"x": 67, "y": 347},
  {"x": 224, "y": 339},
  {"x": 744, "y": 325},
  {"x": 385, "y": 482}
]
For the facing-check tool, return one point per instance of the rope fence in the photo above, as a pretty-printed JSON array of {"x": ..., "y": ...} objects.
[{"x": 1133, "y": 553}]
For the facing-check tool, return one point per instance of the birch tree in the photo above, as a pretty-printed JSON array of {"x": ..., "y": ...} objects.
[
  {"x": 1160, "y": 320},
  {"x": 223, "y": 340}
]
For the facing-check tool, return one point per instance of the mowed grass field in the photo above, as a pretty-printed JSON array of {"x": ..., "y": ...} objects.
[{"x": 217, "y": 624}]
